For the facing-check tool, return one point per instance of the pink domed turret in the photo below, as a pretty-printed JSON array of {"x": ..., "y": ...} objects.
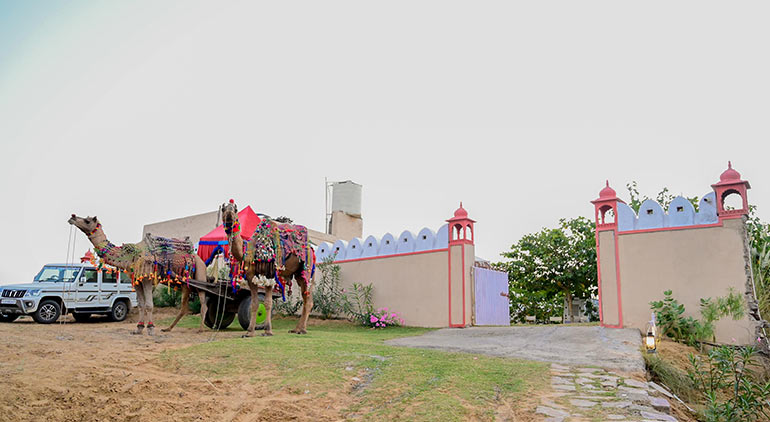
[
  {"x": 461, "y": 227},
  {"x": 607, "y": 192},
  {"x": 730, "y": 182},
  {"x": 460, "y": 212},
  {"x": 730, "y": 175},
  {"x": 607, "y": 201}
]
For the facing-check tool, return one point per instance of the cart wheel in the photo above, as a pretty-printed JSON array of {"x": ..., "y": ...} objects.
[
  {"x": 216, "y": 319},
  {"x": 244, "y": 312}
]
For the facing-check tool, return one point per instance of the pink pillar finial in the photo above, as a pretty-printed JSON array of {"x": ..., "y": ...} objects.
[
  {"x": 729, "y": 164},
  {"x": 608, "y": 182},
  {"x": 461, "y": 204}
]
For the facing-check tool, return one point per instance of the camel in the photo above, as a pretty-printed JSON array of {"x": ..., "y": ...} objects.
[
  {"x": 276, "y": 253},
  {"x": 148, "y": 268}
]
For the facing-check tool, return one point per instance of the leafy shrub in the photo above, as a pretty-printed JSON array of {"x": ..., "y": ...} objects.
[
  {"x": 382, "y": 318},
  {"x": 669, "y": 314},
  {"x": 731, "y": 389},
  {"x": 165, "y": 299},
  {"x": 327, "y": 295},
  {"x": 288, "y": 308},
  {"x": 358, "y": 303},
  {"x": 358, "y": 306}
]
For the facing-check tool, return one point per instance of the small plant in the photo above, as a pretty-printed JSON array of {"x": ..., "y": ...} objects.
[
  {"x": 163, "y": 299},
  {"x": 357, "y": 303},
  {"x": 383, "y": 318},
  {"x": 328, "y": 296},
  {"x": 288, "y": 308},
  {"x": 672, "y": 322},
  {"x": 731, "y": 390},
  {"x": 358, "y": 306}
]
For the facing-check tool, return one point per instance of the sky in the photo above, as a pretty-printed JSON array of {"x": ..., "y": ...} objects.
[{"x": 143, "y": 111}]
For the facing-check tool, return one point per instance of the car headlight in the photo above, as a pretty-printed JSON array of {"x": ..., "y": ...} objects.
[{"x": 33, "y": 292}]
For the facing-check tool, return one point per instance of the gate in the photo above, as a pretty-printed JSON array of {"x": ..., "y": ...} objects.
[{"x": 491, "y": 297}]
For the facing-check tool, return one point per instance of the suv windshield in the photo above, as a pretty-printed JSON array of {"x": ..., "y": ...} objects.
[{"x": 56, "y": 274}]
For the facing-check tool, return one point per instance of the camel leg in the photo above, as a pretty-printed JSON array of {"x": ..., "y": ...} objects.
[
  {"x": 183, "y": 309},
  {"x": 204, "y": 308},
  {"x": 269, "y": 311},
  {"x": 254, "y": 308},
  {"x": 140, "y": 302},
  {"x": 307, "y": 305},
  {"x": 148, "y": 287}
]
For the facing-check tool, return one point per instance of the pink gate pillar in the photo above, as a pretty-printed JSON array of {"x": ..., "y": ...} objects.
[{"x": 461, "y": 258}]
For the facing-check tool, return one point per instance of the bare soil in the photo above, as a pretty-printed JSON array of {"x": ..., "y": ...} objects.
[{"x": 98, "y": 371}]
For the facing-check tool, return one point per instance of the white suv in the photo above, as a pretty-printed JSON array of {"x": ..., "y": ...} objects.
[{"x": 79, "y": 289}]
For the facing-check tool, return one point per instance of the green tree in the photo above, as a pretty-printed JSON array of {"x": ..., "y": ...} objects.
[{"x": 551, "y": 264}]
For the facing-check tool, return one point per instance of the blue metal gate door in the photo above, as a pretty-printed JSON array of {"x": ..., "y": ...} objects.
[{"x": 491, "y": 297}]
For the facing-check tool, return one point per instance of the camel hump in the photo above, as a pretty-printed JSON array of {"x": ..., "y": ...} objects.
[{"x": 163, "y": 246}]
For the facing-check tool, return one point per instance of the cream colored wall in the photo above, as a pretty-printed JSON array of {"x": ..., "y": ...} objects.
[
  {"x": 194, "y": 226},
  {"x": 694, "y": 263},
  {"x": 413, "y": 285},
  {"x": 317, "y": 237},
  {"x": 609, "y": 278}
]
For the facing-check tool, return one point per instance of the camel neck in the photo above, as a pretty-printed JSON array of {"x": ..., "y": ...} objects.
[
  {"x": 235, "y": 240},
  {"x": 117, "y": 256}
]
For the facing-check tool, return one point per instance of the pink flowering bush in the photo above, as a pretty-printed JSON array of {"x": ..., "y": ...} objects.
[
  {"x": 382, "y": 318},
  {"x": 358, "y": 306}
]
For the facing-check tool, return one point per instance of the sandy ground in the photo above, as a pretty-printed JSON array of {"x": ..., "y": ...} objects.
[
  {"x": 97, "y": 372},
  {"x": 563, "y": 344}
]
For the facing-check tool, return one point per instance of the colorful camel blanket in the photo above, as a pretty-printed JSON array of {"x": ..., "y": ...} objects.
[
  {"x": 274, "y": 242},
  {"x": 165, "y": 260}
]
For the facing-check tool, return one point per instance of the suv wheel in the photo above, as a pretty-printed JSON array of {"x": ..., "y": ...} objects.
[
  {"x": 119, "y": 311},
  {"x": 47, "y": 312},
  {"x": 81, "y": 317},
  {"x": 8, "y": 318}
]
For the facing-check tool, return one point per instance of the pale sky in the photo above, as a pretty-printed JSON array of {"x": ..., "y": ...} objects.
[{"x": 139, "y": 112}]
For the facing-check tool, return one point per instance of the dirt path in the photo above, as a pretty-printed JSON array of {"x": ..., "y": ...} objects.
[
  {"x": 98, "y": 371},
  {"x": 564, "y": 344}
]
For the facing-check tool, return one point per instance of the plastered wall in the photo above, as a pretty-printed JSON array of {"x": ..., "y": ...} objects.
[
  {"x": 417, "y": 285},
  {"x": 693, "y": 262}
]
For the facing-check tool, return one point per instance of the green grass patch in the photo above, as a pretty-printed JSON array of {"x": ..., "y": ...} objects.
[{"x": 395, "y": 383}]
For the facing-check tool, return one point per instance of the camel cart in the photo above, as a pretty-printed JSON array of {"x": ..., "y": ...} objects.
[{"x": 224, "y": 305}]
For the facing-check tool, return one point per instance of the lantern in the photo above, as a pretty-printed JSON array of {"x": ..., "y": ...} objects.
[{"x": 650, "y": 337}]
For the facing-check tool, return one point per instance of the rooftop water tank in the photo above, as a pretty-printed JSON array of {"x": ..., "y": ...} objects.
[{"x": 346, "y": 197}]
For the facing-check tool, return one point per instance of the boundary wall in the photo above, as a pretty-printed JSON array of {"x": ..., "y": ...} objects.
[
  {"x": 695, "y": 254},
  {"x": 427, "y": 278}
]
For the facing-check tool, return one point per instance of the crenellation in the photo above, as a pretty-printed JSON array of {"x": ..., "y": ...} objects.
[
  {"x": 680, "y": 213},
  {"x": 426, "y": 240}
]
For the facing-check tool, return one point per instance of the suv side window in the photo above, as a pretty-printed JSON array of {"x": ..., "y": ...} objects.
[
  {"x": 109, "y": 277},
  {"x": 125, "y": 278},
  {"x": 90, "y": 275}
]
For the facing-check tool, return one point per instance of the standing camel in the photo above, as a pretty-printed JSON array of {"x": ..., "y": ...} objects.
[
  {"x": 275, "y": 254},
  {"x": 150, "y": 261}
]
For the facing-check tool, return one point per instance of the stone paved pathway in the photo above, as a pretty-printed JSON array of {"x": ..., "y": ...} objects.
[{"x": 592, "y": 394}]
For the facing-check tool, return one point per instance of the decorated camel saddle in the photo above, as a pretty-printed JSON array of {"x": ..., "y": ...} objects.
[
  {"x": 167, "y": 260},
  {"x": 273, "y": 242}
]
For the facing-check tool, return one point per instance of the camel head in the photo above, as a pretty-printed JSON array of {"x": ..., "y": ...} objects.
[
  {"x": 87, "y": 225},
  {"x": 229, "y": 215}
]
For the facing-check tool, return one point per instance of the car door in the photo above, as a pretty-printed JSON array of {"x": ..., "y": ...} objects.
[
  {"x": 88, "y": 288},
  {"x": 109, "y": 286}
]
